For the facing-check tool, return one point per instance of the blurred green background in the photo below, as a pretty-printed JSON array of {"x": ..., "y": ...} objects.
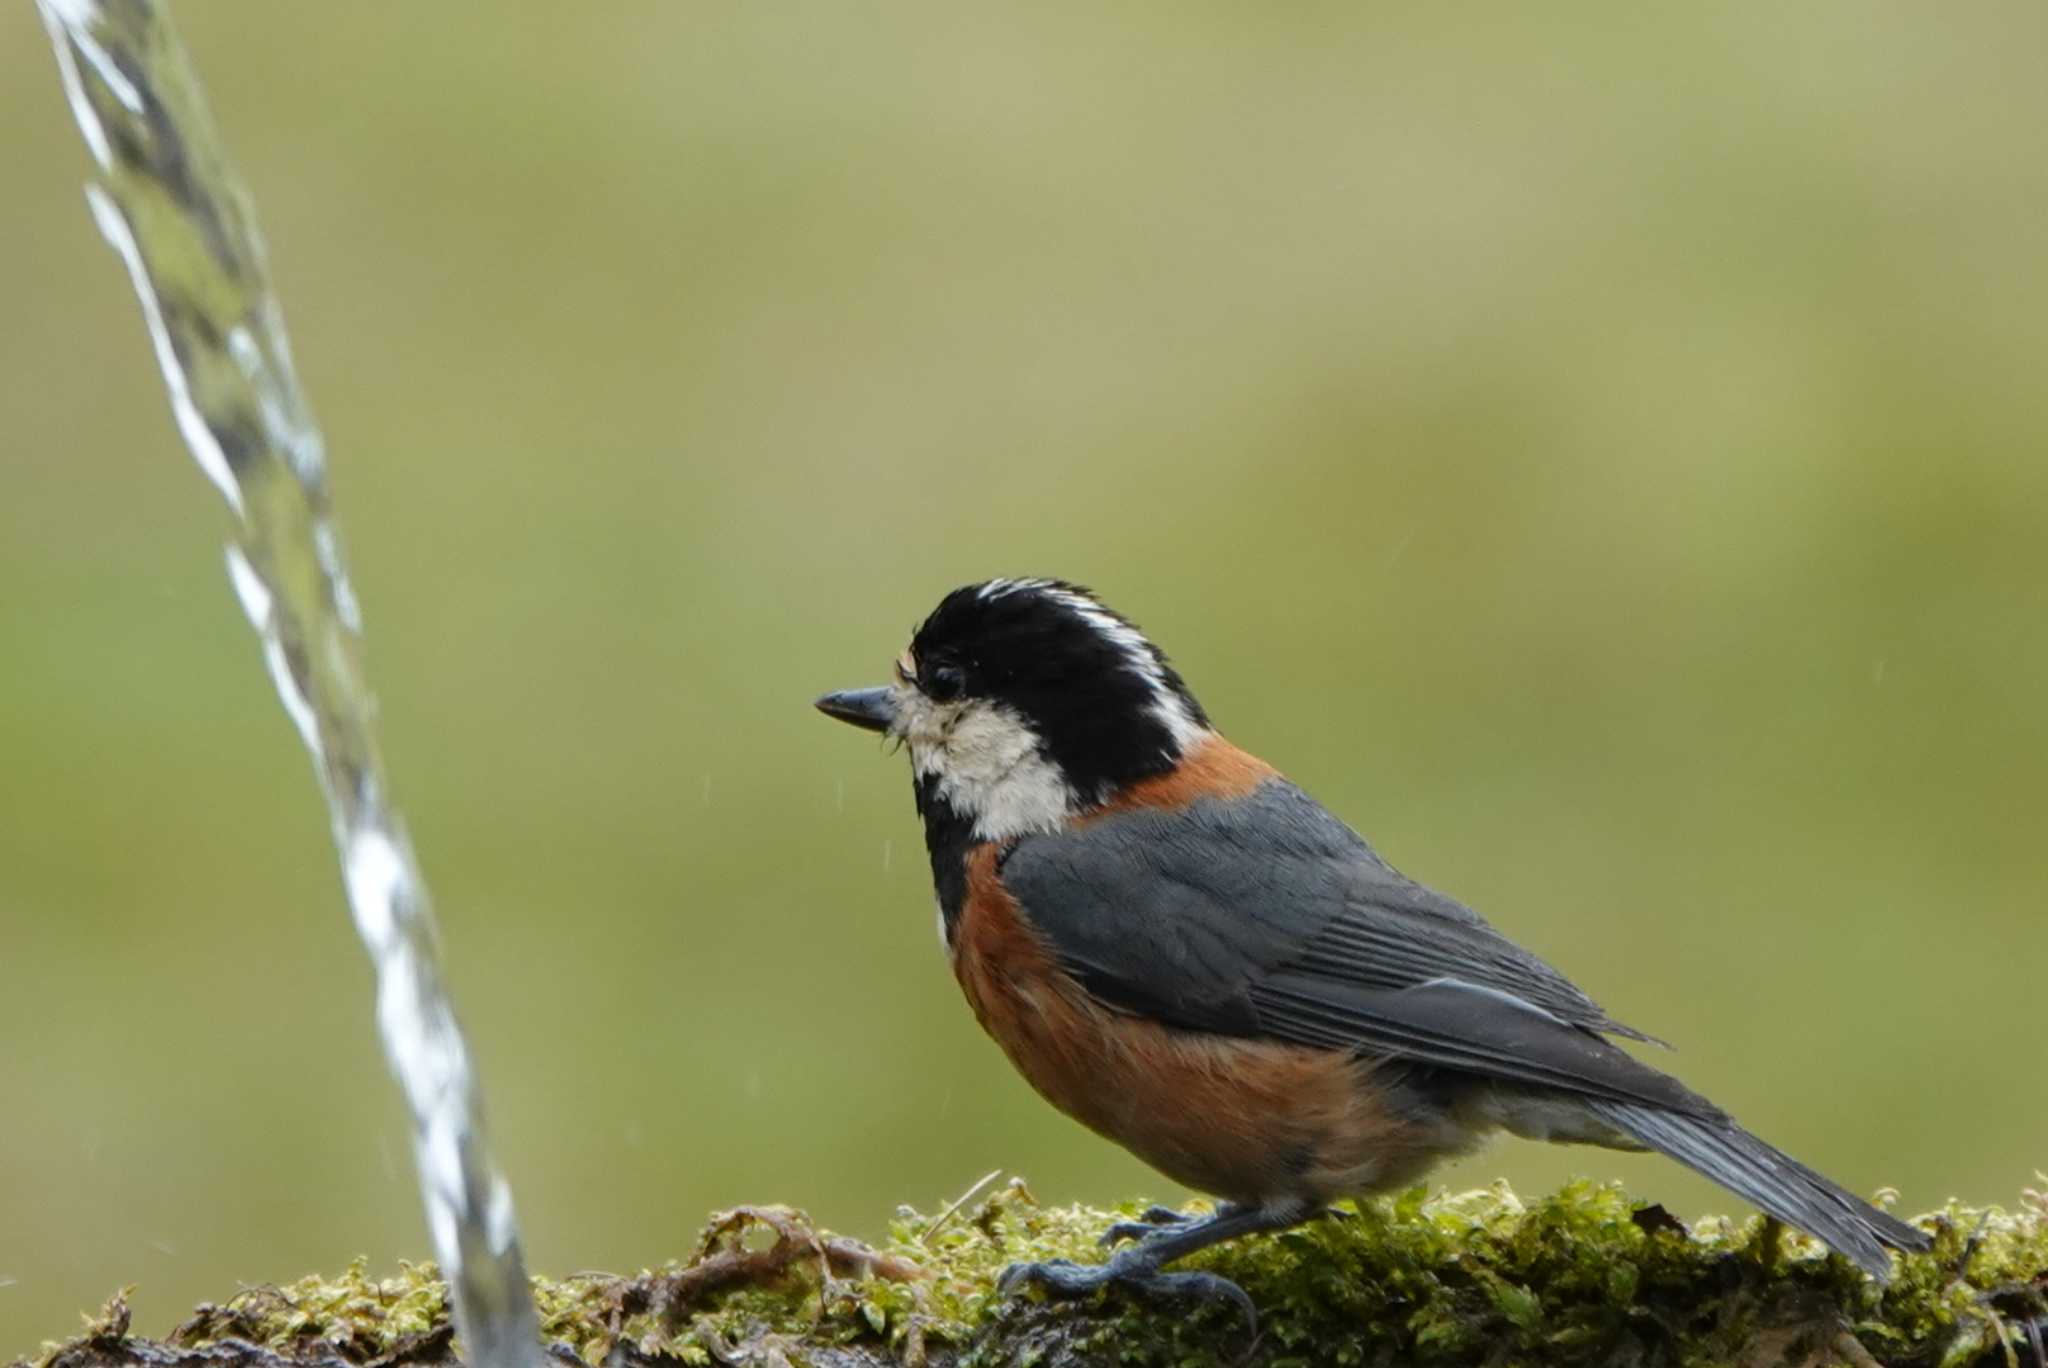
[{"x": 1600, "y": 451}]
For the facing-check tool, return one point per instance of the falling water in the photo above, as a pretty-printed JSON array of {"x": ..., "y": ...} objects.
[{"x": 167, "y": 203}]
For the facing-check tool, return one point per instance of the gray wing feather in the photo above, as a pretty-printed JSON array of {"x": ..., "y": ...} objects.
[
  {"x": 1395, "y": 932},
  {"x": 1461, "y": 1026},
  {"x": 1267, "y": 916}
]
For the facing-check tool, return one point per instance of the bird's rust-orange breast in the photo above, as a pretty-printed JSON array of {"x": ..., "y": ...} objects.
[{"x": 1242, "y": 1119}]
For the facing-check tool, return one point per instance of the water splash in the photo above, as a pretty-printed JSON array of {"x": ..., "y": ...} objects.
[{"x": 167, "y": 203}]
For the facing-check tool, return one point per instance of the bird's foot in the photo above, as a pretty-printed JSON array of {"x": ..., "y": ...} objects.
[
  {"x": 1150, "y": 1221},
  {"x": 1133, "y": 1271}
]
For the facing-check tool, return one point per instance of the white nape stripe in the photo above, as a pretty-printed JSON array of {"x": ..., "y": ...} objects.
[
  {"x": 1002, "y": 588},
  {"x": 1139, "y": 654}
]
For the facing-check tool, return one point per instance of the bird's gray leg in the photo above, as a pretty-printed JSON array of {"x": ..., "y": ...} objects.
[
  {"x": 1153, "y": 1219},
  {"x": 1137, "y": 1267},
  {"x": 1149, "y": 1222}
]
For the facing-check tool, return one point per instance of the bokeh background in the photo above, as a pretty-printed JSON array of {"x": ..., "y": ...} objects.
[{"x": 1601, "y": 451}]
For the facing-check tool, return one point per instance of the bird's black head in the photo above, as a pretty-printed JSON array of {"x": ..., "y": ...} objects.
[
  {"x": 1105, "y": 704},
  {"x": 1024, "y": 701}
]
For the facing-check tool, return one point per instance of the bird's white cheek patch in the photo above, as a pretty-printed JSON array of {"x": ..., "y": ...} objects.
[{"x": 988, "y": 766}]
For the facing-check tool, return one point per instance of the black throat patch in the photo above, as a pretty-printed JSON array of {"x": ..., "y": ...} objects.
[{"x": 948, "y": 837}]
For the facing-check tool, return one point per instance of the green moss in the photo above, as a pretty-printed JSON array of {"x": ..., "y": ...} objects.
[{"x": 1585, "y": 1275}]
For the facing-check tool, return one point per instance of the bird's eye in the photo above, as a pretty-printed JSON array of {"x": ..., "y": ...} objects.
[{"x": 942, "y": 683}]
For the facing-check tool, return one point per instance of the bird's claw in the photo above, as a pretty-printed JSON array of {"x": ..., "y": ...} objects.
[
  {"x": 1062, "y": 1278},
  {"x": 1125, "y": 1230},
  {"x": 1150, "y": 1221},
  {"x": 1019, "y": 1274}
]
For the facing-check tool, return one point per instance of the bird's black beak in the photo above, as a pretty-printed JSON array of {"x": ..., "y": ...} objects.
[{"x": 868, "y": 709}]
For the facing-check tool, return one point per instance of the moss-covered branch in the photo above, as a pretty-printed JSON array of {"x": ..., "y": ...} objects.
[{"x": 1586, "y": 1276}]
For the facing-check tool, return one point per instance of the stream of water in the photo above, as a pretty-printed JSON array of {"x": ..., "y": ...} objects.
[{"x": 165, "y": 200}]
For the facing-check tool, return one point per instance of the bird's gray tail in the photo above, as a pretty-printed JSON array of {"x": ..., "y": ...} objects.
[{"x": 1715, "y": 1147}]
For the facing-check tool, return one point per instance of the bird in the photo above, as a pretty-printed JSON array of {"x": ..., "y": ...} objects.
[{"x": 1186, "y": 953}]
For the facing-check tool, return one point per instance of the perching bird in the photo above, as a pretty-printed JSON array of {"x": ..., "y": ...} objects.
[{"x": 1192, "y": 957}]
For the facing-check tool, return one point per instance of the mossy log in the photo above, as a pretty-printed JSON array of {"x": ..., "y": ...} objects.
[{"x": 1584, "y": 1277}]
